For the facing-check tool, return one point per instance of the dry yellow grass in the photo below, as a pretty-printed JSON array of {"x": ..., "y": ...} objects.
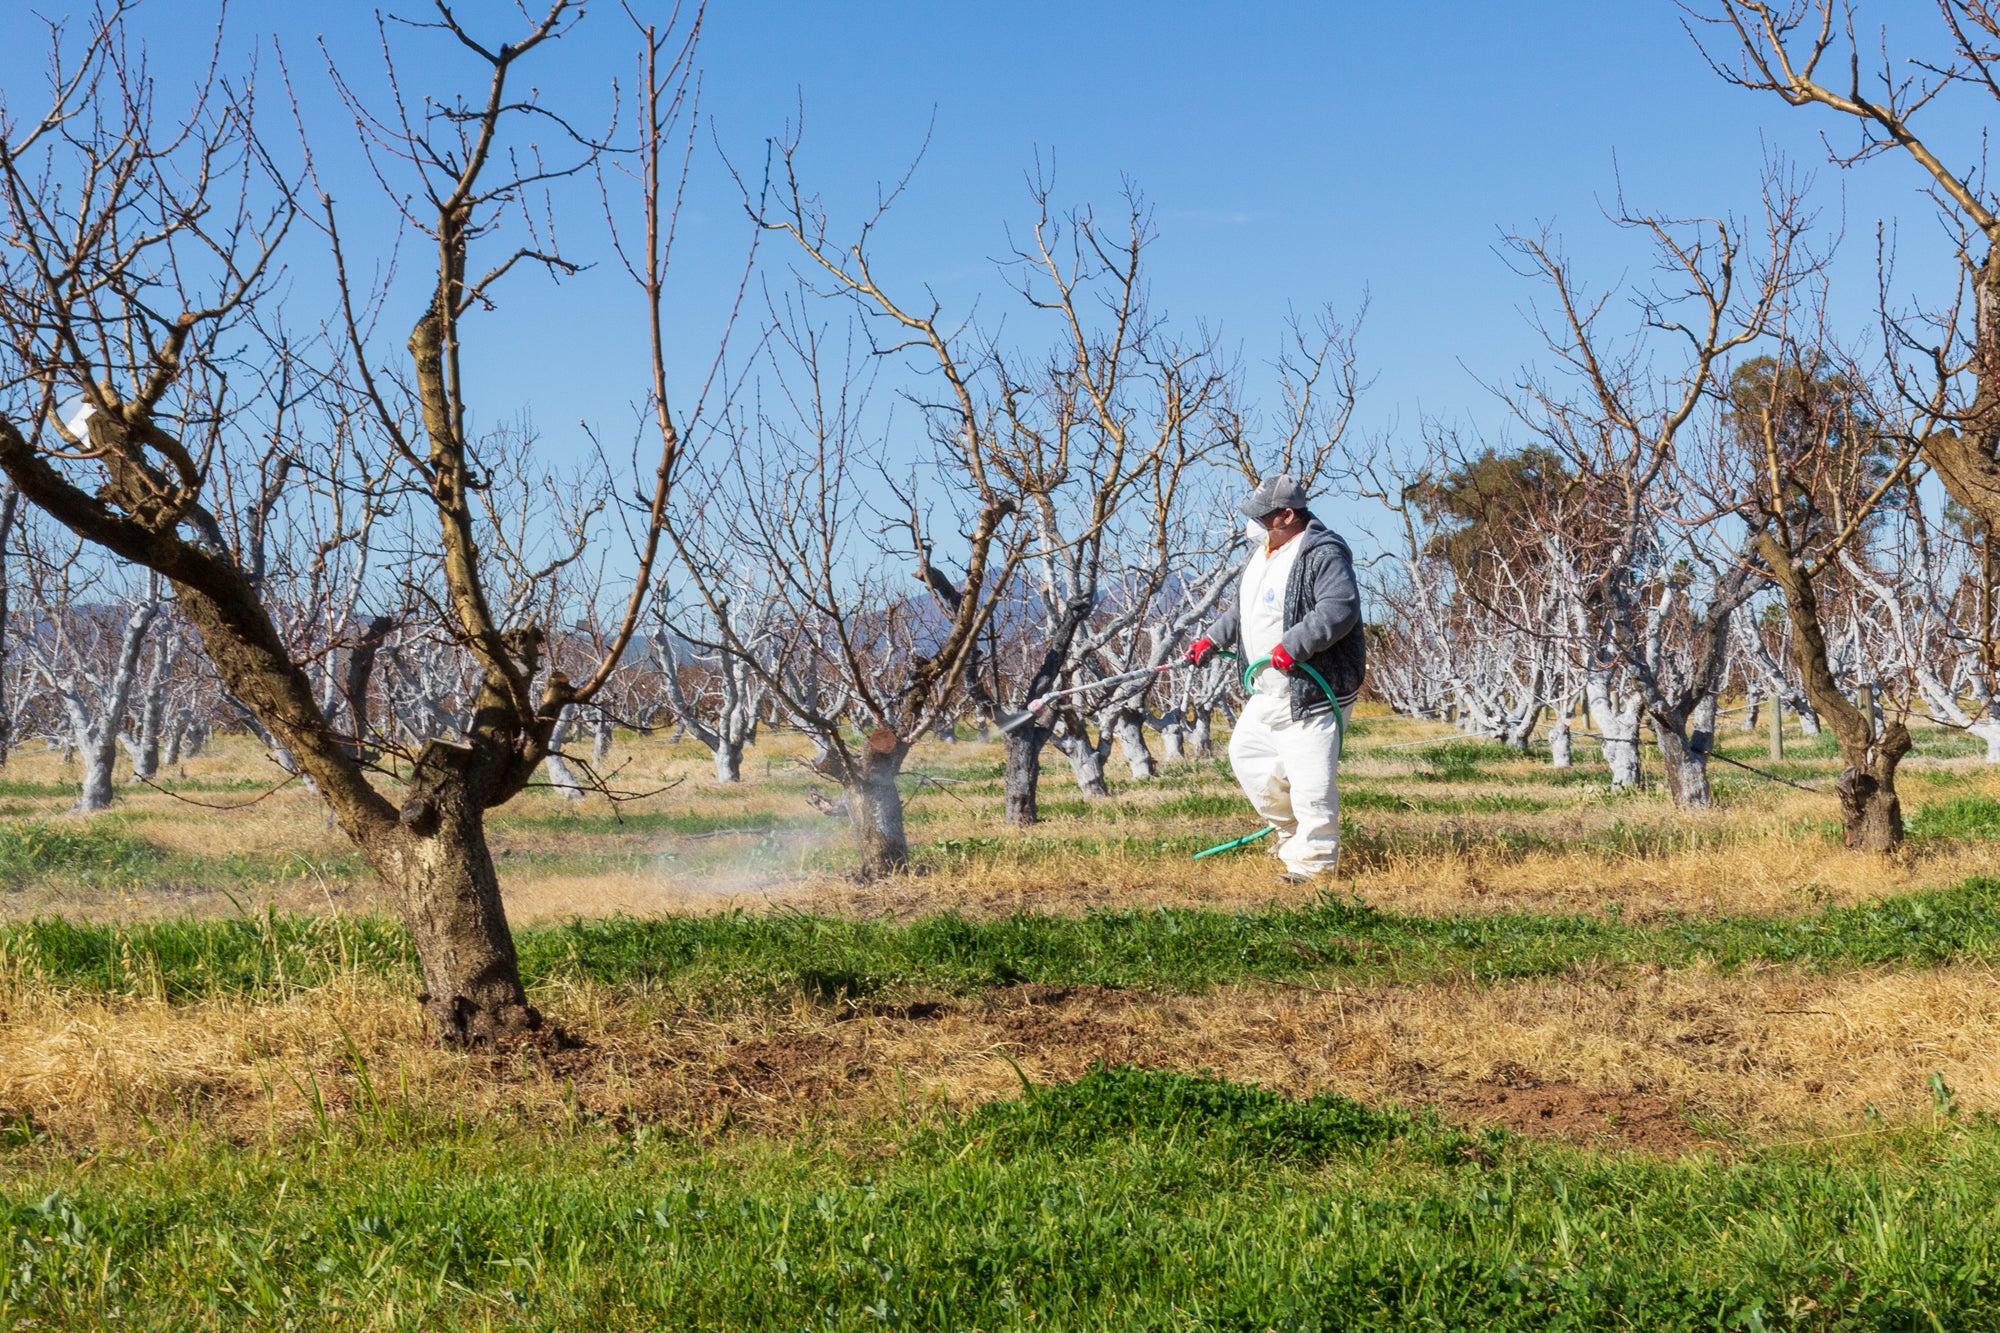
[{"x": 1769, "y": 1052}]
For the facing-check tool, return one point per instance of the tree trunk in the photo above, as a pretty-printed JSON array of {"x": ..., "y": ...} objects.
[
  {"x": 1086, "y": 760},
  {"x": 1203, "y": 740},
  {"x": 1870, "y": 810},
  {"x": 361, "y": 660},
  {"x": 728, "y": 761},
  {"x": 1777, "y": 728},
  {"x": 1024, "y": 772},
  {"x": 98, "y": 758},
  {"x": 1618, "y": 733},
  {"x": 1685, "y": 762},
  {"x": 1559, "y": 743},
  {"x": 1173, "y": 738},
  {"x": 439, "y": 865},
  {"x": 876, "y": 806},
  {"x": 602, "y": 729},
  {"x": 1129, "y": 727},
  {"x": 152, "y": 714},
  {"x": 1988, "y": 729},
  {"x": 1522, "y": 729},
  {"x": 561, "y": 776}
]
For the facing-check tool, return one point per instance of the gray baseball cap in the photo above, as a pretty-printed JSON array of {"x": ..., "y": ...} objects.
[{"x": 1273, "y": 493}]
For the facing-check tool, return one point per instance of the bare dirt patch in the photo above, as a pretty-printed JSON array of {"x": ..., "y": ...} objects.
[{"x": 1526, "y": 1105}]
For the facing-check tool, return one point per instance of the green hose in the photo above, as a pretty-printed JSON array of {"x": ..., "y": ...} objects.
[
  {"x": 1339, "y": 713},
  {"x": 1235, "y": 843}
]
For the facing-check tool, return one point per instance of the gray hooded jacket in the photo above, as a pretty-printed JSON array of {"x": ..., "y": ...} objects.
[{"x": 1322, "y": 622}]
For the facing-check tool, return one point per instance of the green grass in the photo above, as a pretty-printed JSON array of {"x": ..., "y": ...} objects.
[
  {"x": 1123, "y": 1201},
  {"x": 96, "y": 854},
  {"x": 1110, "y": 1104},
  {"x": 1968, "y": 817},
  {"x": 101, "y": 855},
  {"x": 187, "y": 958},
  {"x": 1461, "y": 761},
  {"x": 1159, "y": 949}
]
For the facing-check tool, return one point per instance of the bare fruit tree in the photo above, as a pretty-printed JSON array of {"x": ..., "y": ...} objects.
[
  {"x": 140, "y": 278},
  {"x": 87, "y": 639},
  {"x": 1103, "y": 440},
  {"x": 711, "y": 683},
  {"x": 1820, "y": 462},
  {"x": 1635, "y": 421}
]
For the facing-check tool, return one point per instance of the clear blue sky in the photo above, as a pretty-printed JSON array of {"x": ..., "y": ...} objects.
[{"x": 1296, "y": 154}]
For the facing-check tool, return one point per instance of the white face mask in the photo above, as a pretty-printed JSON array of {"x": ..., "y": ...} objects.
[{"x": 1253, "y": 529}]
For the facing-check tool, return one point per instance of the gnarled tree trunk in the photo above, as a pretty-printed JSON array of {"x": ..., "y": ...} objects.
[
  {"x": 1128, "y": 725},
  {"x": 875, "y": 805},
  {"x": 728, "y": 760},
  {"x": 1086, "y": 758},
  {"x": 561, "y": 776},
  {"x": 1871, "y": 813},
  {"x": 1202, "y": 737},
  {"x": 1024, "y": 772},
  {"x": 436, "y": 860},
  {"x": 1684, "y": 762},
  {"x": 1618, "y": 730}
]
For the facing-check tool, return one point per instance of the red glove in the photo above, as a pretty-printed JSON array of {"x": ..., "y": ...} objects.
[
  {"x": 1282, "y": 660},
  {"x": 1200, "y": 651}
]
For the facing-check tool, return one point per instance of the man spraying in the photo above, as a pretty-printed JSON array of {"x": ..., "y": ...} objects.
[{"x": 1297, "y": 622}]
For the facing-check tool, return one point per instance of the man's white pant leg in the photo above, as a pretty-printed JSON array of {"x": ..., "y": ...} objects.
[
  {"x": 1310, "y": 753},
  {"x": 1257, "y": 760}
]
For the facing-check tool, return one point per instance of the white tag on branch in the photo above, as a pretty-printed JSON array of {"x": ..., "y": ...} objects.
[{"x": 79, "y": 420}]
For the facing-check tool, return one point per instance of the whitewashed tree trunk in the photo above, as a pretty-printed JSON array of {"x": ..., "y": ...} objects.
[
  {"x": 1559, "y": 743},
  {"x": 1618, "y": 728},
  {"x": 1086, "y": 760},
  {"x": 1988, "y": 730},
  {"x": 561, "y": 776},
  {"x": 176, "y": 730},
  {"x": 1522, "y": 727},
  {"x": 728, "y": 761},
  {"x": 96, "y": 737},
  {"x": 723, "y": 714},
  {"x": 144, "y": 749},
  {"x": 1128, "y": 725},
  {"x": 1687, "y": 761}
]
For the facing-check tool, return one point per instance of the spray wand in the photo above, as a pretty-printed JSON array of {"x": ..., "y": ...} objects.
[{"x": 1036, "y": 705}]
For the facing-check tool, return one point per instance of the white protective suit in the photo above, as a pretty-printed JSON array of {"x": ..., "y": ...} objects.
[{"x": 1287, "y": 767}]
